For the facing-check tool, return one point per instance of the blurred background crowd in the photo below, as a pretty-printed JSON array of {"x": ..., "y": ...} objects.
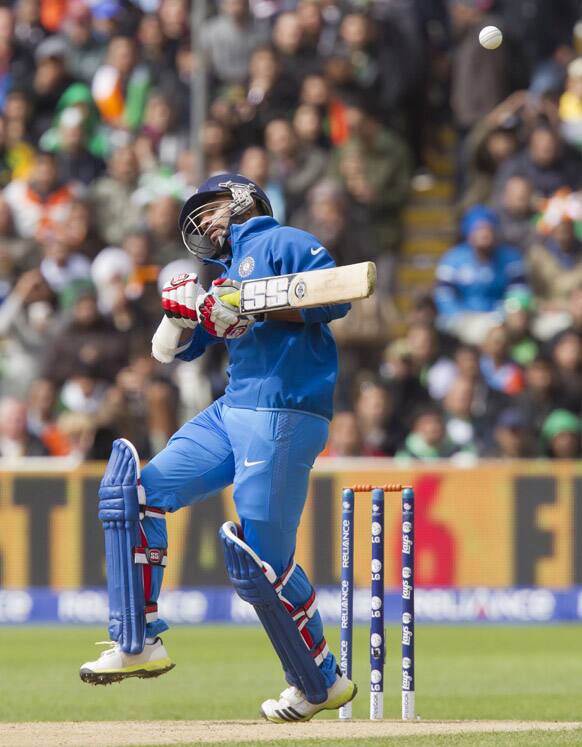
[{"x": 382, "y": 127}]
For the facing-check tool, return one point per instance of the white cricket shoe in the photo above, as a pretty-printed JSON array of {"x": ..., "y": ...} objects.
[
  {"x": 115, "y": 665},
  {"x": 292, "y": 705}
]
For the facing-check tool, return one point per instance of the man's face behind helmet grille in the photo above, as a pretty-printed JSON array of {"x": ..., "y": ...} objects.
[{"x": 212, "y": 209}]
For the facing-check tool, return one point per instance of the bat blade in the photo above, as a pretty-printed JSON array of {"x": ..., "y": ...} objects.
[{"x": 307, "y": 289}]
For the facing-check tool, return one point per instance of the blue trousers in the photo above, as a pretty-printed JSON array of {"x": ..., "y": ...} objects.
[{"x": 267, "y": 455}]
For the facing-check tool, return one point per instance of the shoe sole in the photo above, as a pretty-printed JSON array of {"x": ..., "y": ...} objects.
[
  {"x": 333, "y": 706},
  {"x": 109, "y": 678}
]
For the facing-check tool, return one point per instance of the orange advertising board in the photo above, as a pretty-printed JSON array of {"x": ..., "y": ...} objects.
[{"x": 494, "y": 525}]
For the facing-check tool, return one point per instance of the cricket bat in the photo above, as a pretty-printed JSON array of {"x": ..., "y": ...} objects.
[
  {"x": 302, "y": 290},
  {"x": 299, "y": 290}
]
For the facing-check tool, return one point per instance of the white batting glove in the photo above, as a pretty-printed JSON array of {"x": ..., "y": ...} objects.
[
  {"x": 219, "y": 318},
  {"x": 180, "y": 299}
]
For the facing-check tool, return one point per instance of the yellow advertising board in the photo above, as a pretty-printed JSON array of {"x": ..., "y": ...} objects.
[{"x": 495, "y": 525}]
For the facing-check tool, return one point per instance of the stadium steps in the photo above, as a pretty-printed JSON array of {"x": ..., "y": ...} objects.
[{"x": 429, "y": 227}]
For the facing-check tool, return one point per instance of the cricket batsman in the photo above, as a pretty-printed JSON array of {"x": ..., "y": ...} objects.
[{"x": 262, "y": 436}]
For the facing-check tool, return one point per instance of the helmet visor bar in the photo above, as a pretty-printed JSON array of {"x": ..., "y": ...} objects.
[{"x": 196, "y": 231}]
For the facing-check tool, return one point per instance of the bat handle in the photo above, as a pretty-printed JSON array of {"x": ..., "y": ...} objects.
[{"x": 232, "y": 299}]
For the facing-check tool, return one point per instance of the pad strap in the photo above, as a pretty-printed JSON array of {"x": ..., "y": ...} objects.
[
  {"x": 151, "y": 612},
  {"x": 150, "y": 555}
]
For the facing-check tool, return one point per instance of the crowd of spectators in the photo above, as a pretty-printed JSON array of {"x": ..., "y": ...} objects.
[{"x": 332, "y": 106}]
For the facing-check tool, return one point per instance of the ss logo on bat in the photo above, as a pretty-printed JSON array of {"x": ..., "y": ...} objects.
[{"x": 265, "y": 294}]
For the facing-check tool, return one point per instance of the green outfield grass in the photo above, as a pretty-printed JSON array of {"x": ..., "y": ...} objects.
[{"x": 224, "y": 672}]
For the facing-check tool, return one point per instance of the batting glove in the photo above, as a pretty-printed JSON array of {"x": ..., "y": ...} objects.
[
  {"x": 180, "y": 300},
  {"x": 219, "y": 318}
]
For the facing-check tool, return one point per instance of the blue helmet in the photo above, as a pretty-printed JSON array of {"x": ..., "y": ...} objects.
[{"x": 244, "y": 194}]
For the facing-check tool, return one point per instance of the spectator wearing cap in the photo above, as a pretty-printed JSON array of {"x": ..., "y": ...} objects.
[
  {"x": 16, "y": 441},
  {"x": 78, "y": 98},
  {"x": 84, "y": 50},
  {"x": 75, "y": 161},
  {"x": 229, "y": 39},
  {"x": 555, "y": 259},
  {"x": 516, "y": 213},
  {"x": 116, "y": 212},
  {"x": 561, "y": 435},
  {"x": 544, "y": 162},
  {"x": 519, "y": 308},
  {"x": 512, "y": 437},
  {"x": 571, "y": 105},
  {"x": 51, "y": 80},
  {"x": 474, "y": 276},
  {"x": 42, "y": 201},
  {"x": 106, "y": 19}
]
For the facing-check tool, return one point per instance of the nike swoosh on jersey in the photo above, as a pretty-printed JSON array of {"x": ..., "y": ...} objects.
[
  {"x": 316, "y": 251},
  {"x": 252, "y": 464}
]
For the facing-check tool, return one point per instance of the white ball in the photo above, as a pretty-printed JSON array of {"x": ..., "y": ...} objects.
[{"x": 490, "y": 37}]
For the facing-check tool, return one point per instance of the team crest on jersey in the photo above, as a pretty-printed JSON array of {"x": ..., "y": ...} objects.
[{"x": 246, "y": 267}]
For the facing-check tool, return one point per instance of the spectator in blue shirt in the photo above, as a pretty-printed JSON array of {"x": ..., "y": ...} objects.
[{"x": 474, "y": 276}]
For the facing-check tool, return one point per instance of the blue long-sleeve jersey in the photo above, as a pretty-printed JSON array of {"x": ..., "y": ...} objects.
[
  {"x": 277, "y": 365},
  {"x": 467, "y": 283}
]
